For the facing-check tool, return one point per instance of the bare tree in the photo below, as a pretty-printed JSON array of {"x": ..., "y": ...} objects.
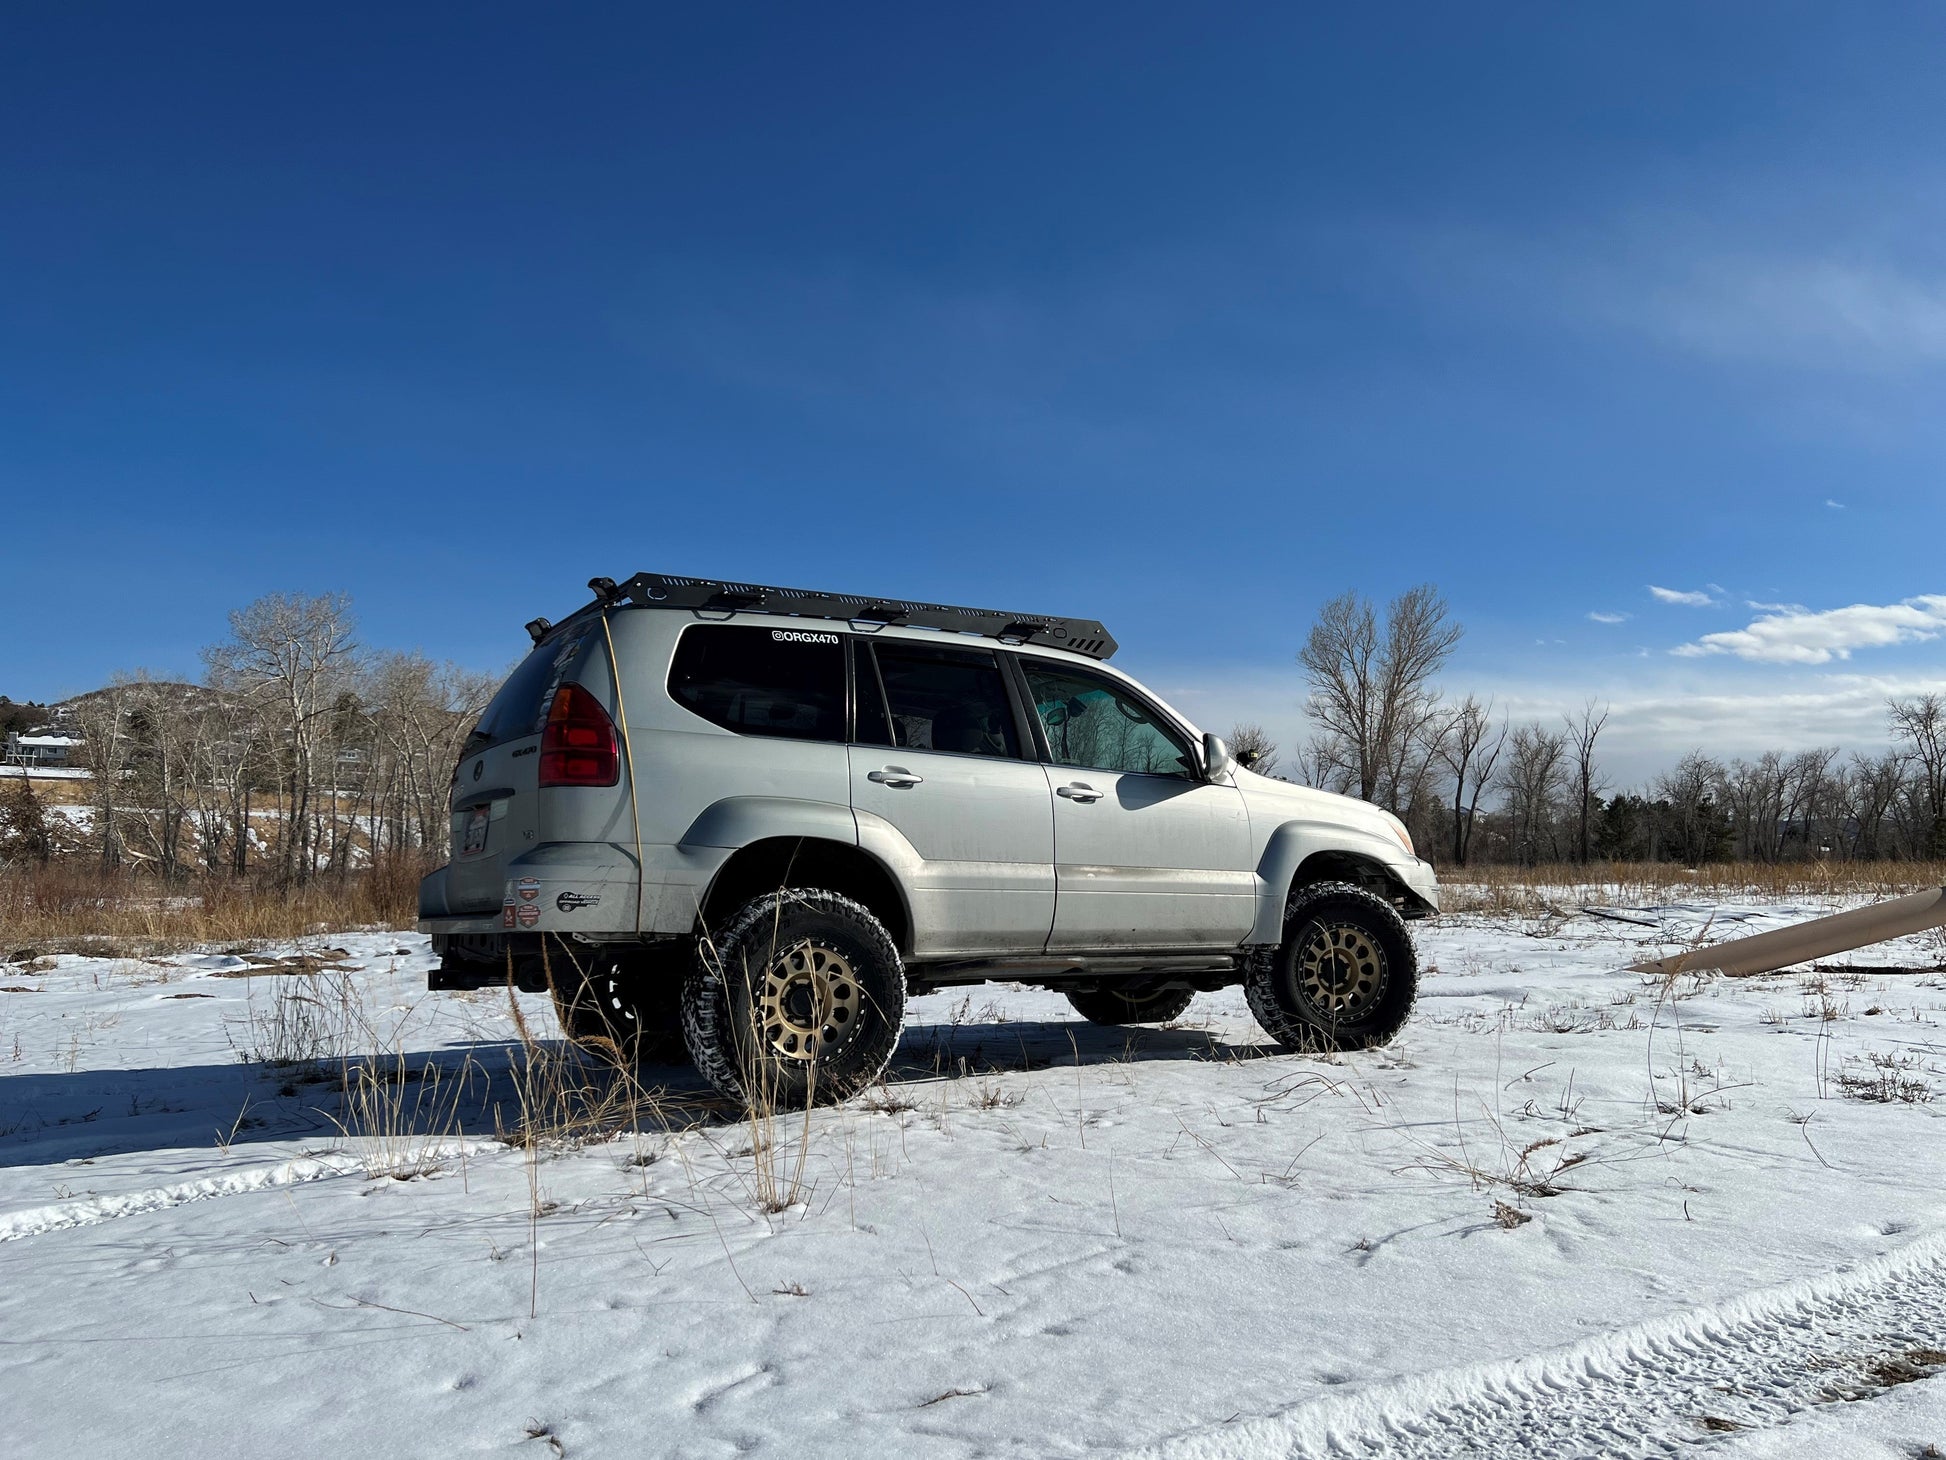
[
  {"x": 1919, "y": 728},
  {"x": 288, "y": 658},
  {"x": 1531, "y": 778},
  {"x": 1326, "y": 762},
  {"x": 1251, "y": 743},
  {"x": 101, "y": 720},
  {"x": 1876, "y": 783},
  {"x": 1371, "y": 688},
  {"x": 1692, "y": 816},
  {"x": 1469, "y": 749},
  {"x": 1583, "y": 731}
]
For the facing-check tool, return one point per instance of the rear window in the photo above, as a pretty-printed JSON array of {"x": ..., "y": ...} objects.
[
  {"x": 762, "y": 681},
  {"x": 520, "y": 708}
]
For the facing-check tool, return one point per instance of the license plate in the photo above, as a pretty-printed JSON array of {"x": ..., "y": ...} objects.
[{"x": 476, "y": 830}]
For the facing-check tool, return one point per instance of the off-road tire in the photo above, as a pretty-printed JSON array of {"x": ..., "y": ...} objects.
[
  {"x": 721, "y": 1000},
  {"x": 1377, "y": 1006},
  {"x": 624, "y": 1006},
  {"x": 1112, "y": 1006}
]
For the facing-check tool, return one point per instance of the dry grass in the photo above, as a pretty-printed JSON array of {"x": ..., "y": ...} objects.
[
  {"x": 1540, "y": 891},
  {"x": 65, "y": 908}
]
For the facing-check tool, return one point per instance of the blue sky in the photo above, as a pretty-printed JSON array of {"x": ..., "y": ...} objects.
[{"x": 1186, "y": 320}]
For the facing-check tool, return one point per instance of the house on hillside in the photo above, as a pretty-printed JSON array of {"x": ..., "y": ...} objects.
[{"x": 42, "y": 752}]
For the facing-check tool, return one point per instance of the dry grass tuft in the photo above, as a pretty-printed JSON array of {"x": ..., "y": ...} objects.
[
  {"x": 66, "y": 908},
  {"x": 1548, "y": 891},
  {"x": 1885, "y": 1079}
]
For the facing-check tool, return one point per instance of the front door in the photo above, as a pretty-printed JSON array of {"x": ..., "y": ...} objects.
[
  {"x": 1147, "y": 854},
  {"x": 940, "y": 753}
]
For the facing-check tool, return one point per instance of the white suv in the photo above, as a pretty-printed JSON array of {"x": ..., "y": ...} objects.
[{"x": 758, "y": 819}]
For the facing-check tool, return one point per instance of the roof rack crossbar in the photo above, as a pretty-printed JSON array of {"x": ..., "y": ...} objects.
[{"x": 708, "y": 595}]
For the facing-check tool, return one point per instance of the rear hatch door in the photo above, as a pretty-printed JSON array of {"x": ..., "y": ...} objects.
[{"x": 495, "y": 802}]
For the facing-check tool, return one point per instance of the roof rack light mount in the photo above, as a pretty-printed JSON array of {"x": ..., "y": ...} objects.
[{"x": 710, "y": 596}]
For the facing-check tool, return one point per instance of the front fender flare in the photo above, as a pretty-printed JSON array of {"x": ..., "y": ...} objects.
[{"x": 1295, "y": 842}]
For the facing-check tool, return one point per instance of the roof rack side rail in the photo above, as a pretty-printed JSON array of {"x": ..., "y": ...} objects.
[{"x": 711, "y": 596}]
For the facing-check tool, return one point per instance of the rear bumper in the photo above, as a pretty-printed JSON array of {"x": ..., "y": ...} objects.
[{"x": 583, "y": 888}]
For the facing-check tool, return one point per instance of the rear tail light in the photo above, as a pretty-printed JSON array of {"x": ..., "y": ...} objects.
[{"x": 578, "y": 742}]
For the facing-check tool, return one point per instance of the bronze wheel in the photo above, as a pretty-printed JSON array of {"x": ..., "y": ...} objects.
[{"x": 809, "y": 1001}]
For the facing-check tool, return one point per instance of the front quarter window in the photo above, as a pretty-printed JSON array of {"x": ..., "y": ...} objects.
[{"x": 1092, "y": 724}]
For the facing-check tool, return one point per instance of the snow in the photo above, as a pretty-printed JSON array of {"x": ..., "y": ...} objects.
[{"x": 1042, "y": 1238}]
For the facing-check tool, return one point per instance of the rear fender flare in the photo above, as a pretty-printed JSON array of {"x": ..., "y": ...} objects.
[{"x": 737, "y": 821}]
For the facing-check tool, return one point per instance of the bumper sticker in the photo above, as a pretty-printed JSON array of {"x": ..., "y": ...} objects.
[
  {"x": 507, "y": 913},
  {"x": 529, "y": 888},
  {"x": 528, "y": 914}
]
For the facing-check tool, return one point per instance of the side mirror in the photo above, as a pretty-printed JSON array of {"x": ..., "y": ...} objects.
[{"x": 1217, "y": 760}]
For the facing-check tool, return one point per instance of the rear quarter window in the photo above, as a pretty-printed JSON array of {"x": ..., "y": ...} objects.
[{"x": 782, "y": 682}]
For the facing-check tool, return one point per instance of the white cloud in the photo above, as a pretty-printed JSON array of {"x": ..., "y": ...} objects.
[
  {"x": 1677, "y": 595},
  {"x": 1791, "y": 635},
  {"x": 1835, "y": 506},
  {"x": 1609, "y": 618},
  {"x": 1775, "y": 607}
]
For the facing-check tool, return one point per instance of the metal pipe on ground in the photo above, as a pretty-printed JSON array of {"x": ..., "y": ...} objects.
[{"x": 1819, "y": 938}]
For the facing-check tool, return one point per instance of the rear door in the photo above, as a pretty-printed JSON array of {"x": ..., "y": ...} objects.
[
  {"x": 942, "y": 752},
  {"x": 1147, "y": 853},
  {"x": 495, "y": 785}
]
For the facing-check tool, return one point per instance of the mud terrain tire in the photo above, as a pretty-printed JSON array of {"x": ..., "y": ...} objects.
[
  {"x": 798, "y": 1000},
  {"x": 1344, "y": 977},
  {"x": 1112, "y": 1006}
]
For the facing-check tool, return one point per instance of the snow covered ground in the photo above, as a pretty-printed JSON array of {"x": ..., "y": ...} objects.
[{"x": 1567, "y": 1213}]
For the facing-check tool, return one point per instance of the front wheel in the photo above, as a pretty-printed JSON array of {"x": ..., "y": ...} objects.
[
  {"x": 1112, "y": 1006},
  {"x": 1343, "y": 978},
  {"x": 798, "y": 1001}
]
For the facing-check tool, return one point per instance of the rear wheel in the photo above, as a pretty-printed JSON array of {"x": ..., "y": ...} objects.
[
  {"x": 1344, "y": 977},
  {"x": 1112, "y": 1006},
  {"x": 799, "y": 1000},
  {"x": 624, "y": 1005}
]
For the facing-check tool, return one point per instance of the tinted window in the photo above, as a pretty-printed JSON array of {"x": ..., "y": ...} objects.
[
  {"x": 520, "y": 707},
  {"x": 763, "y": 681},
  {"x": 945, "y": 699},
  {"x": 1093, "y": 724}
]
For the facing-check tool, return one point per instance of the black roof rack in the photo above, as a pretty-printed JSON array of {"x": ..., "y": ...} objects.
[{"x": 707, "y": 596}]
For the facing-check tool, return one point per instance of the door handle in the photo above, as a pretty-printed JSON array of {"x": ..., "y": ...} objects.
[
  {"x": 1078, "y": 791},
  {"x": 894, "y": 775}
]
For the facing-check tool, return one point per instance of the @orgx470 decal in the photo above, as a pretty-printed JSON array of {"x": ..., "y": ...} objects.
[{"x": 569, "y": 901}]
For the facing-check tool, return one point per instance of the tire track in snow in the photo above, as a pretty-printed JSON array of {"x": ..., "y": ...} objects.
[
  {"x": 1753, "y": 1360},
  {"x": 87, "y": 1211}
]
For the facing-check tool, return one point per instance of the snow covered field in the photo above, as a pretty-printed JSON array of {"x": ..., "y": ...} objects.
[{"x": 1568, "y": 1213}]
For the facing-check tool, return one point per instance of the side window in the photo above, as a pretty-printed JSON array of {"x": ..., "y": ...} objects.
[
  {"x": 1093, "y": 724},
  {"x": 945, "y": 699},
  {"x": 762, "y": 681}
]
